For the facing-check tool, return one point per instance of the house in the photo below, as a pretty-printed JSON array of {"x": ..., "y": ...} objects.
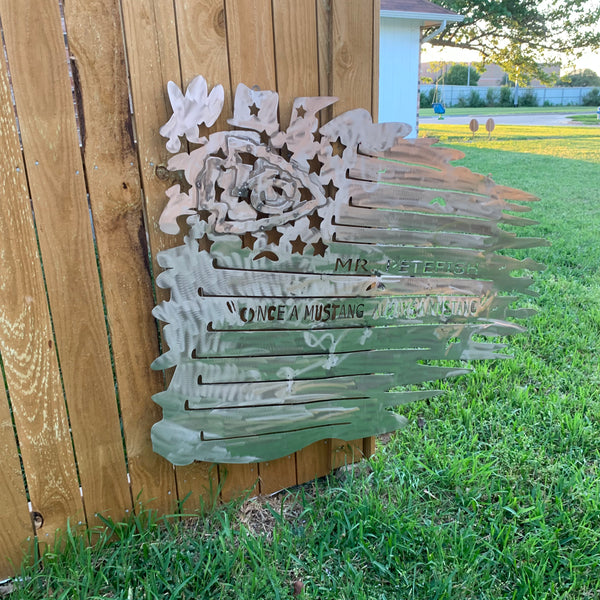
[{"x": 401, "y": 24}]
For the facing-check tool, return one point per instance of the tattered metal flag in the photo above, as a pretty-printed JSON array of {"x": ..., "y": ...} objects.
[{"x": 322, "y": 269}]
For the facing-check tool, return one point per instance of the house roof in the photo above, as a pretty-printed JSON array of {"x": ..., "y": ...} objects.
[{"x": 420, "y": 10}]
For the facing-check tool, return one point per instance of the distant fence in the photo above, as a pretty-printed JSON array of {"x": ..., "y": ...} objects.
[
  {"x": 558, "y": 96},
  {"x": 82, "y": 97}
]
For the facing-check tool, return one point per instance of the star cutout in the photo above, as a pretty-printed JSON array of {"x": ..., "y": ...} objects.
[
  {"x": 337, "y": 148},
  {"x": 247, "y": 158},
  {"x": 220, "y": 154},
  {"x": 248, "y": 240},
  {"x": 314, "y": 165},
  {"x": 254, "y": 110},
  {"x": 317, "y": 136},
  {"x": 300, "y": 111},
  {"x": 204, "y": 243},
  {"x": 298, "y": 246},
  {"x": 285, "y": 152},
  {"x": 305, "y": 194},
  {"x": 332, "y": 189},
  {"x": 314, "y": 220},
  {"x": 319, "y": 248},
  {"x": 273, "y": 236},
  {"x": 203, "y": 215},
  {"x": 265, "y": 140},
  {"x": 218, "y": 191}
]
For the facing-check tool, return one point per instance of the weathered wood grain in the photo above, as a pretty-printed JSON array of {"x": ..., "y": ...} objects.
[
  {"x": 352, "y": 29},
  {"x": 98, "y": 57},
  {"x": 153, "y": 60},
  {"x": 297, "y": 69},
  {"x": 203, "y": 48},
  {"x": 236, "y": 481},
  {"x": 252, "y": 61},
  {"x": 36, "y": 53},
  {"x": 202, "y": 40},
  {"x": 15, "y": 523},
  {"x": 29, "y": 357}
]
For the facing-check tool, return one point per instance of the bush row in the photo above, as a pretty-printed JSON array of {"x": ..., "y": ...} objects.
[{"x": 505, "y": 97}]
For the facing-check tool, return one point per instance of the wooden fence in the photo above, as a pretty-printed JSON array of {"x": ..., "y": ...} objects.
[{"x": 82, "y": 97}]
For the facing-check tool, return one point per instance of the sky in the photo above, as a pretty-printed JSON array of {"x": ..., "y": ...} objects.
[{"x": 590, "y": 60}]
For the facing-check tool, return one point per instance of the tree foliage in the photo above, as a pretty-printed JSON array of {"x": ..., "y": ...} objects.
[
  {"x": 518, "y": 35},
  {"x": 459, "y": 74},
  {"x": 581, "y": 78}
]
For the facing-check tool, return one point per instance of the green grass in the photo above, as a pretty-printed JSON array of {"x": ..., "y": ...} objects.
[
  {"x": 504, "y": 110},
  {"x": 493, "y": 490},
  {"x": 587, "y": 119}
]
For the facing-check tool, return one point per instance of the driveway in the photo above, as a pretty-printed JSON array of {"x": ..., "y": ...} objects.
[{"x": 547, "y": 119}]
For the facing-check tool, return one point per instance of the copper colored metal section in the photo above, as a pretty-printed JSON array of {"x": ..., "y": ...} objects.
[{"x": 323, "y": 268}]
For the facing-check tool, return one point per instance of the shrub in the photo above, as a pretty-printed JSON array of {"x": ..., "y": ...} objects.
[
  {"x": 491, "y": 97},
  {"x": 475, "y": 100},
  {"x": 528, "y": 98},
  {"x": 592, "y": 98},
  {"x": 426, "y": 98},
  {"x": 506, "y": 96}
]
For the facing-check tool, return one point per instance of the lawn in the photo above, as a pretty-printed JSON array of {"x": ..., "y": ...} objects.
[
  {"x": 492, "y": 491},
  {"x": 493, "y": 111}
]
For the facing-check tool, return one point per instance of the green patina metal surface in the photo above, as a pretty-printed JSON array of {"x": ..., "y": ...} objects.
[{"x": 324, "y": 268}]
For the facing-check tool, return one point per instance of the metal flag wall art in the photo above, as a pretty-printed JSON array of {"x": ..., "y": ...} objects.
[{"x": 323, "y": 268}]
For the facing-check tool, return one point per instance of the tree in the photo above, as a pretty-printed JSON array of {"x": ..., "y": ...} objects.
[
  {"x": 459, "y": 75},
  {"x": 585, "y": 78},
  {"x": 519, "y": 34}
]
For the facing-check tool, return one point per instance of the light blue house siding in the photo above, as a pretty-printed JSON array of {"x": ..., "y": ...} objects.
[
  {"x": 399, "y": 55},
  {"x": 401, "y": 23}
]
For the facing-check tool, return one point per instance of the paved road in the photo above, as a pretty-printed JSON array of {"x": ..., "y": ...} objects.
[{"x": 525, "y": 119}]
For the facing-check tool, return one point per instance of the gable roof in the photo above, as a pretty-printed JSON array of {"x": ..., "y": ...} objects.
[{"x": 421, "y": 10}]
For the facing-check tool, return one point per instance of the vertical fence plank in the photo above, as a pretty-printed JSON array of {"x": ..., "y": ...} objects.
[
  {"x": 297, "y": 69},
  {"x": 37, "y": 57},
  {"x": 15, "y": 524},
  {"x": 352, "y": 51},
  {"x": 238, "y": 480},
  {"x": 152, "y": 57},
  {"x": 369, "y": 443},
  {"x": 252, "y": 61},
  {"x": 27, "y": 348},
  {"x": 347, "y": 30},
  {"x": 204, "y": 55},
  {"x": 296, "y": 53},
  {"x": 250, "y": 41},
  {"x": 96, "y": 45}
]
